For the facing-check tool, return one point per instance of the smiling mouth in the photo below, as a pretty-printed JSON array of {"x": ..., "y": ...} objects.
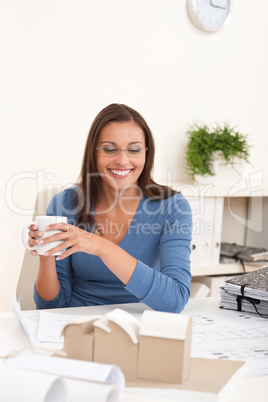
[{"x": 120, "y": 173}]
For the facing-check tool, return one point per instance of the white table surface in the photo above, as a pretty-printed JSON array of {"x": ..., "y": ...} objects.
[{"x": 250, "y": 389}]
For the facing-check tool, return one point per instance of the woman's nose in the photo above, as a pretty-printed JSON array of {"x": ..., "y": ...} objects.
[{"x": 122, "y": 157}]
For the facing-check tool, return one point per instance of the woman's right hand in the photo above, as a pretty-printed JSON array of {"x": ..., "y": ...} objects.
[{"x": 34, "y": 234}]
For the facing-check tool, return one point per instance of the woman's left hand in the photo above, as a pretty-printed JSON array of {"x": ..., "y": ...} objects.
[
  {"x": 73, "y": 239},
  {"x": 120, "y": 263}
]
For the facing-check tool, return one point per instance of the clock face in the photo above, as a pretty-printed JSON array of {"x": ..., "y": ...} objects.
[{"x": 209, "y": 15}]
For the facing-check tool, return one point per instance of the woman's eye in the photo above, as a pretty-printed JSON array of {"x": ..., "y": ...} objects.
[
  {"x": 109, "y": 150},
  {"x": 134, "y": 150}
]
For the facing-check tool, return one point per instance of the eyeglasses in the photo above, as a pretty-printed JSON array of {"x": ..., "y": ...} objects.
[{"x": 131, "y": 152}]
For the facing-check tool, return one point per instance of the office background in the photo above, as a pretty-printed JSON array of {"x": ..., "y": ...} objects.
[{"x": 62, "y": 61}]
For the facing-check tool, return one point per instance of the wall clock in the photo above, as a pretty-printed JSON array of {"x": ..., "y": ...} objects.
[{"x": 209, "y": 15}]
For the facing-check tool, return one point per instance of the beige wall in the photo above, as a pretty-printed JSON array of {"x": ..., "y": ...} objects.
[{"x": 64, "y": 60}]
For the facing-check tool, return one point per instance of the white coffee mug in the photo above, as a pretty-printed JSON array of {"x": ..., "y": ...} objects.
[{"x": 41, "y": 222}]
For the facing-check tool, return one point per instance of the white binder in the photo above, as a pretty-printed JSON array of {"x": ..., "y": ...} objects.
[{"x": 207, "y": 226}]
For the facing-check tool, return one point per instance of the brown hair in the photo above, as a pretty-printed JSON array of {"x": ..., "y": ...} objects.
[{"x": 89, "y": 179}]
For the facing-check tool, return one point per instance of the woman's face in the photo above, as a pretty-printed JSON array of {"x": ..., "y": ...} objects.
[{"x": 122, "y": 170}]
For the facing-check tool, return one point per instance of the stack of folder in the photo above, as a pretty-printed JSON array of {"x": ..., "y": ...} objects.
[
  {"x": 233, "y": 251},
  {"x": 247, "y": 292}
]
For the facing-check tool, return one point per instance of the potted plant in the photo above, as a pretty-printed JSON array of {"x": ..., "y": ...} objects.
[{"x": 206, "y": 146}]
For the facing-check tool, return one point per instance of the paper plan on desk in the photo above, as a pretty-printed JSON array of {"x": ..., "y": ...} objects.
[
  {"x": 47, "y": 379},
  {"x": 51, "y": 325},
  {"x": 229, "y": 335},
  {"x": 46, "y": 330},
  {"x": 24, "y": 385},
  {"x": 49, "y": 330},
  {"x": 70, "y": 368},
  {"x": 29, "y": 326}
]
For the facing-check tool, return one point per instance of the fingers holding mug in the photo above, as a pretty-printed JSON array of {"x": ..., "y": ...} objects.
[
  {"x": 41, "y": 228},
  {"x": 33, "y": 234},
  {"x": 60, "y": 226}
]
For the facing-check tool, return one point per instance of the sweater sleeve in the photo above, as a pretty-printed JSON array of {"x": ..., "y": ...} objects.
[
  {"x": 64, "y": 267},
  {"x": 169, "y": 288}
]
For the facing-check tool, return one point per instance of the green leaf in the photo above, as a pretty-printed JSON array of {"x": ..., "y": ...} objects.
[{"x": 205, "y": 145}]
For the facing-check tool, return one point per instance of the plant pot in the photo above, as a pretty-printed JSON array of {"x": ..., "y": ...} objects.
[{"x": 224, "y": 174}]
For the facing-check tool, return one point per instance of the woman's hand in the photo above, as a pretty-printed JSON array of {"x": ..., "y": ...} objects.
[
  {"x": 120, "y": 263},
  {"x": 33, "y": 237},
  {"x": 73, "y": 239}
]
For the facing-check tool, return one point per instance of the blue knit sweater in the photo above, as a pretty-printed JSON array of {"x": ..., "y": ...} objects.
[{"x": 159, "y": 238}]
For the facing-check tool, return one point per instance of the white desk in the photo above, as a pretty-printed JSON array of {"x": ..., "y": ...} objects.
[{"x": 241, "y": 390}]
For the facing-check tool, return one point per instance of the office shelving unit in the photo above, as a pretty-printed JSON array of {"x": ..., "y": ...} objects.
[{"x": 237, "y": 213}]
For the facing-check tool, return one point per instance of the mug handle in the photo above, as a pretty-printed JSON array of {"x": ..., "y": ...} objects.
[{"x": 24, "y": 233}]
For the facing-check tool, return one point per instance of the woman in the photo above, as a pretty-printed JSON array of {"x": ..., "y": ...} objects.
[{"x": 127, "y": 238}]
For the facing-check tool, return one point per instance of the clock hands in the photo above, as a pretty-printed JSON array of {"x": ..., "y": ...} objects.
[{"x": 217, "y": 6}]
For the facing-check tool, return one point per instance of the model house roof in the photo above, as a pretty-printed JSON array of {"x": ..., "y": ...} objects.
[
  {"x": 164, "y": 325},
  {"x": 126, "y": 321}
]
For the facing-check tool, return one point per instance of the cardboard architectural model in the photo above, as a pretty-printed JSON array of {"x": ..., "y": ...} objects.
[
  {"x": 157, "y": 348},
  {"x": 79, "y": 340},
  {"x": 165, "y": 347}
]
